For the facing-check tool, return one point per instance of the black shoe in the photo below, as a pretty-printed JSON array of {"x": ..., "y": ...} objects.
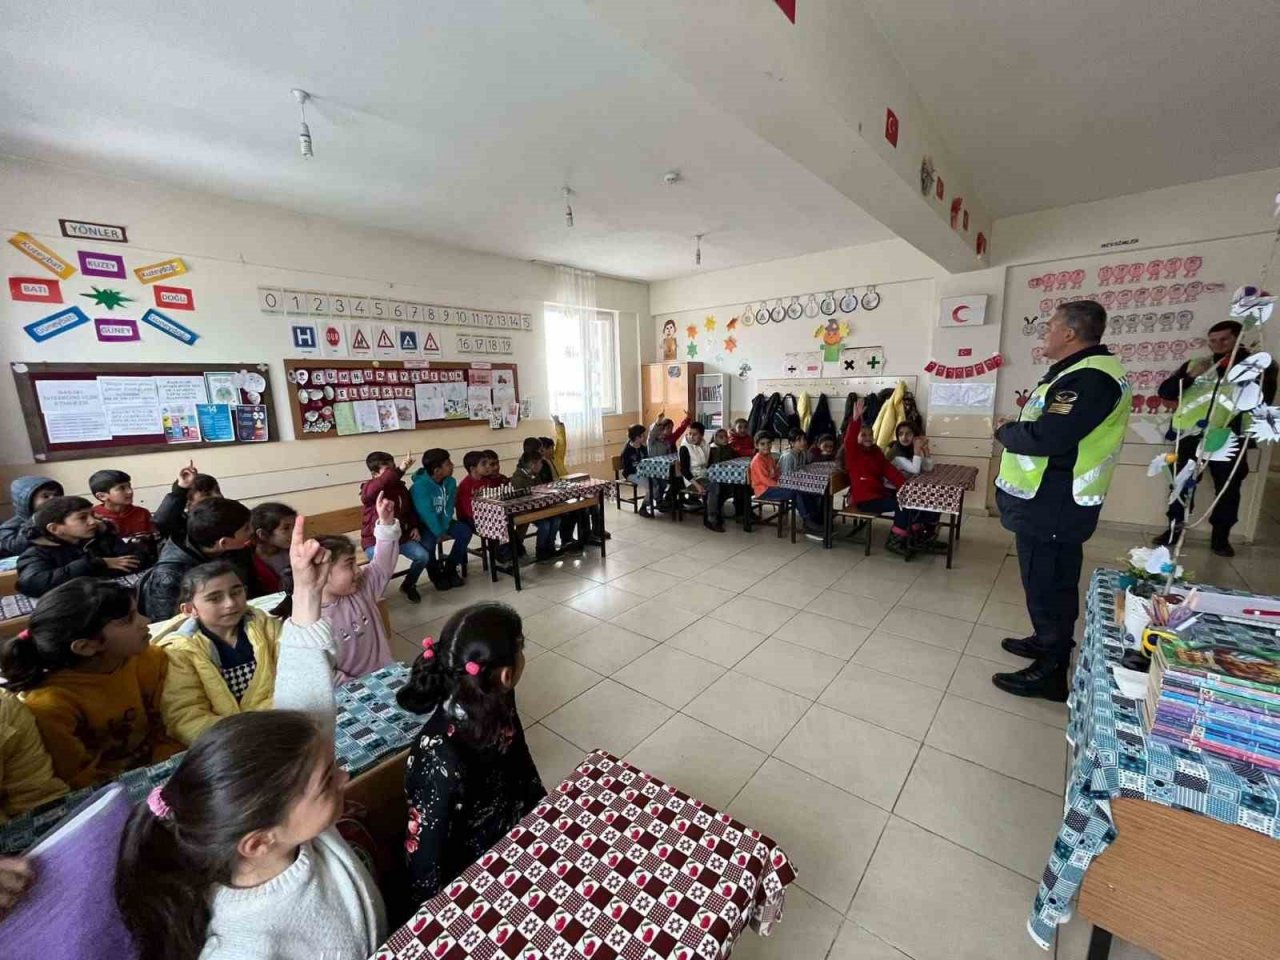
[
  {"x": 410, "y": 591},
  {"x": 1029, "y": 647},
  {"x": 717, "y": 526},
  {"x": 593, "y": 541},
  {"x": 646, "y": 511},
  {"x": 1046, "y": 678},
  {"x": 436, "y": 574},
  {"x": 547, "y": 556},
  {"x": 1167, "y": 538},
  {"x": 571, "y": 546},
  {"x": 454, "y": 578},
  {"x": 521, "y": 550},
  {"x": 1223, "y": 549},
  {"x": 899, "y": 546}
]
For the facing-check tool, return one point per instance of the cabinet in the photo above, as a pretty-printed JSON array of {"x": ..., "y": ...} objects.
[{"x": 670, "y": 387}]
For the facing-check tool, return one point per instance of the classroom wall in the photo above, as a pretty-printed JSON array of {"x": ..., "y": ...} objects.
[
  {"x": 231, "y": 248},
  {"x": 1236, "y": 210}
]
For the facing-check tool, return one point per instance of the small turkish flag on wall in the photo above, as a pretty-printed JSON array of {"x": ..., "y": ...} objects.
[
  {"x": 891, "y": 127},
  {"x": 788, "y": 7}
]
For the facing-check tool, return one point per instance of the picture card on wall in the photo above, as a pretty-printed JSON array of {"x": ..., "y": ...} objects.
[
  {"x": 72, "y": 410},
  {"x": 968, "y": 311},
  {"x": 406, "y": 412},
  {"x": 56, "y": 324},
  {"x": 251, "y": 423},
  {"x": 216, "y": 422},
  {"x": 42, "y": 255},
  {"x": 174, "y": 298},
  {"x": 167, "y": 325},
  {"x": 388, "y": 417},
  {"x": 94, "y": 264},
  {"x": 366, "y": 414},
  {"x": 333, "y": 340},
  {"x": 385, "y": 344},
  {"x": 35, "y": 290},
  {"x": 306, "y": 340},
  {"x": 222, "y": 387},
  {"x": 344, "y": 418},
  {"x": 407, "y": 337},
  {"x": 116, "y": 329},
  {"x": 153, "y": 272},
  {"x": 132, "y": 405},
  {"x": 359, "y": 345},
  {"x": 181, "y": 425}
]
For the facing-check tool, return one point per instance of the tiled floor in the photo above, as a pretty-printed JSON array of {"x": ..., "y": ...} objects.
[{"x": 841, "y": 704}]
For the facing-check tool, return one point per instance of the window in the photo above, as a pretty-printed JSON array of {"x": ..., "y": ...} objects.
[{"x": 564, "y": 365}]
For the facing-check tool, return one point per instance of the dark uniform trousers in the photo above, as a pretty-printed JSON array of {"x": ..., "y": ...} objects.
[
  {"x": 1227, "y": 510},
  {"x": 1051, "y": 581}
]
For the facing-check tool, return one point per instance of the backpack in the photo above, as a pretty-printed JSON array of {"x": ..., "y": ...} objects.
[
  {"x": 820, "y": 421},
  {"x": 755, "y": 421}
]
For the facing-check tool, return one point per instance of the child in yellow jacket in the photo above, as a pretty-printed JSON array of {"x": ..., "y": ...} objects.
[
  {"x": 26, "y": 773},
  {"x": 91, "y": 679},
  {"x": 222, "y": 652}
]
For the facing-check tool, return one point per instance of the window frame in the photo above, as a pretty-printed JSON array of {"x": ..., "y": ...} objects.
[{"x": 609, "y": 320}]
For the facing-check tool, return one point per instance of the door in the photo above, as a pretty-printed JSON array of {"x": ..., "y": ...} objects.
[{"x": 654, "y": 389}]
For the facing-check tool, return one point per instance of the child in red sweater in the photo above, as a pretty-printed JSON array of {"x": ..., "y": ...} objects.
[
  {"x": 113, "y": 489},
  {"x": 480, "y": 475},
  {"x": 740, "y": 440},
  {"x": 387, "y": 478}
]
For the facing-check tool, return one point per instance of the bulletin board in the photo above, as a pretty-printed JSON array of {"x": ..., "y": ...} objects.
[
  {"x": 337, "y": 398},
  {"x": 75, "y": 411}
]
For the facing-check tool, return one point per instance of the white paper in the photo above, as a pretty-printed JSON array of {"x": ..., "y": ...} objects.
[
  {"x": 181, "y": 390},
  {"x": 429, "y": 398},
  {"x": 455, "y": 401},
  {"x": 503, "y": 395},
  {"x": 366, "y": 412},
  {"x": 479, "y": 402},
  {"x": 511, "y": 415},
  {"x": 131, "y": 405},
  {"x": 967, "y": 396},
  {"x": 406, "y": 412},
  {"x": 388, "y": 417},
  {"x": 1132, "y": 683},
  {"x": 222, "y": 387},
  {"x": 72, "y": 410}
]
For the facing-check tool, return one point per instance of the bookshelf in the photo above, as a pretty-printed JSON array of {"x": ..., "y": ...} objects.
[{"x": 711, "y": 400}]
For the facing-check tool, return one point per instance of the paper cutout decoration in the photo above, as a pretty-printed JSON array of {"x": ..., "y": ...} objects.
[
  {"x": 731, "y": 344},
  {"x": 691, "y": 332},
  {"x": 668, "y": 340},
  {"x": 691, "y": 349},
  {"x": 174, "y": 298},
  {"x": 94, "y": 264},
  {"x": 170, "y": 327},
  {"x": 1181, "y": 480},
  {"x": 107, "y": 298},
  {"x": 709, "y": 323},
  {"x": 35, "y": 290},
  {"x": 832, "y": 335},
  {"x": 42, "y": 255},
  {"x": 160, "y": 271},
  {"x": 56, "y": 324},
  {"x": 732, "y": 324},
  {"x": 962, "y": 311},
  {"x": 116, "y": 329},
  {"x": 1265, "y": 427},
  {"x": 1159, "y": 463},
  {"x": 944, "y": 371},
  {"x": 1228, "y": 450},
  {"x": 1249, "y": 369},
  {"x": 744, "y": 371}
]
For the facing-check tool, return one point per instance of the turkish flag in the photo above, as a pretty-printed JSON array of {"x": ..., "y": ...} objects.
[
  {"x": 891, "y": 127},
  {"x": 788, "y": 7}
]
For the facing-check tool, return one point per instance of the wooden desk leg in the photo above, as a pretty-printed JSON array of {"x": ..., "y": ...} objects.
[
  {"x": 1099, "y": 944},
  {"x": 515, "y": 551}
]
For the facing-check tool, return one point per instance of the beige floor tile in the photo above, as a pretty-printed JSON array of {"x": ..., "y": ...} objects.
[
  {"x": 985, "y": 642},
  {"x": 919, "y": 662},
  {"x": 1002, "y": 819},
  {"x": 644, "y": 554},
  {"x": 1006, "y": 616},
  {"x": 669, "y": 675},
  {"x": 1009, "y": 592},
  {"x": 560, "y": 588},
  {"x": 880, "y": 698},
  {"x": 858, "y": 610},
  {"x": 1026, "y": 750},
  {"x": 716, "y": 640},
  {"x": 406, "y": 646},
  {"x": 867, "y": 761},
  {"x": 647, "y": 582},
  {"x": 937, "y": 901},
  {"x": 526, "y": 602},
  {"x": 1073, "y": 943},
  {"x": 605, "y": 648},
  {"x": 934, "y": 599},
  {"x": 972, "y": 680},
  {"x": 866, "y": 583},
  {"x": 593, "y": 568},
  {"x": 754, "y": 613},
  {"x": 791, "y": 667},
  {"x": 806, "y": 932},
  {"x": 697, "y": 597},
  {"x": 608, "y": 715},
  {"x": 824, "y": 634},
  {"x": 792, "y": 593},
  {"x": 700, "y": 760},
  {"x": 532, "y": 649},
  {"x": 731, "y": 576},
  {"x": 828, "y": 834},
  {"x": 748, "y": 709},
  {"x": 934, "y": 628},
  {"x": 888, "y": 566},
  {"x": 605, "y": 602},
  {"x": 554, "y": 756},
  {"x": 857, "y": 943},
  {"x": 820, "y": 571},
  {"x": 680, "y": 566},
  {"x": 557, "y": 625},
  {"x": 715, "y": 549},
  {"x": 549, "y": 682},
  {"x": 656, "y": 619}
]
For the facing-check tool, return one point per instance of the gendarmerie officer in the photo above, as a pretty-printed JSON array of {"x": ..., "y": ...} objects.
[{"x": 1057, "y": 464}]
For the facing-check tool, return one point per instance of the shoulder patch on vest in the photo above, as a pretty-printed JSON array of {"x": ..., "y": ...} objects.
[
  {"x": 1060, "y": 408},
  {"x": 1066, "y": 396}
]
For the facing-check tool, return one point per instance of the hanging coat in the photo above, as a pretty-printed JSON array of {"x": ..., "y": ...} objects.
[
  {"x": 804, "y": 407},
  {"x": 870, "y": 408},
  {"x": 849, "y": 402},
  {"x": 891, "y": 414},
  {"x": 772, "y": 414},
  {"x": 784, "y": 418},
  {"x": 755, "y": 420},
  {"x": 820, "y": 423}
]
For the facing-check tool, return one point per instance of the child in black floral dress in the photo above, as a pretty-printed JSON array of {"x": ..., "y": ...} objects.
[{"x": 469, "y": 776}]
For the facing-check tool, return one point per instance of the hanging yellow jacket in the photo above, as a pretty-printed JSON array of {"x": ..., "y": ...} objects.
[
  {"x": 558, "y": 455},
  {"x": 195, "y": 695},
  {"x": 892, "y": 413},
  {"x": 804, "y": 408},
  {"x": 26, "y": 773}
]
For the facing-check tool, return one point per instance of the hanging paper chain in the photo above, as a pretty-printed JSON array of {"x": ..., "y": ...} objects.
[{"x": 942, "y": 371}]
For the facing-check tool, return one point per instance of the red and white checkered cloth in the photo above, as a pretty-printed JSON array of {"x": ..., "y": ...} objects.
[
  {"x": 939, "y": 490},
  {"x": 613, "y": 864},
  {"x": 814, "y": 478},
  {"x": 491, "y": 515}
]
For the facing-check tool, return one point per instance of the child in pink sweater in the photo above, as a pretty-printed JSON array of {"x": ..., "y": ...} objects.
[{"x": 350, "y": 600}]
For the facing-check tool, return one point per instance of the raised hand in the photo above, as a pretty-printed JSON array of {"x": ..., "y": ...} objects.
[
  {"x": 187, "y": 475},
  {"x": 310, "y": 564},
  {"x": 407, "y": 462},
  {"x": 386, "y": 508}
]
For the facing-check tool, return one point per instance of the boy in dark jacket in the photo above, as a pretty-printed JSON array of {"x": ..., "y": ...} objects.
[
  {"x": 27, "y": 494},
  {"x": 190, "y": 488},
  {"x": 68, "y": 541},
  {"x": 217, "y": 529},
  {"x": 388, "y": 479}
]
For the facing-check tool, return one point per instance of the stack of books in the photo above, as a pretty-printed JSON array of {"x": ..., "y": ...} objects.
[{"x": 1218, "y": 696}]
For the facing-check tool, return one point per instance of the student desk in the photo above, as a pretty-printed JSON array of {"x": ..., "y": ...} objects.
[
  {"x": 1186, "y": 845},
  {"x": 614, "y": 863},
  {"x": 941, "y": 490},
  {"x": 660, "y": 471},
  {"x": 736, "y": 474},
  {"x": 496, "y": 520},
  {"x": 824, "y": 479}
]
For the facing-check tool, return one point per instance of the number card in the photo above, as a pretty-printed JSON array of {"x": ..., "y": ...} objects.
[{"x": 270, "y": 300}]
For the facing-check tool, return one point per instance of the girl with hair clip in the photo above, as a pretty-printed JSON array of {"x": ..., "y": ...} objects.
[
  {"x": 92, "y": 681},
  {"x": 237, "y": 857},
  {"x": 469, "y": 776}
]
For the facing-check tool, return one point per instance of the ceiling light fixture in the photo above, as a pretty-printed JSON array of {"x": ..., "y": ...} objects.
[
  {"x": 568, "y": 207},
  {"x": 304, "y": 132},
  {"x": 697, "y": 255},
  {"x": 671, "y": 178}
]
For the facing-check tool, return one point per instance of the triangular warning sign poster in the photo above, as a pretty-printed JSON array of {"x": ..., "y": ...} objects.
[
  {"x": 385, "y": 342},
  {"x": 358, "y": 340},
  {"x": 430, "y": 342}
]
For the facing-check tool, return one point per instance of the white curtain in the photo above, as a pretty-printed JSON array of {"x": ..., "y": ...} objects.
[{"x": 574, "y": 355}]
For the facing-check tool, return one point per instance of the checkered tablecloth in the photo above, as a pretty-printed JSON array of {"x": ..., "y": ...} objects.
[
  {"x": 491, "y": 515},
  {"x": 613, "y": 864},
  {"x": 20, "y": 605},
  {"x": 815, "y": 478},
  {"x": 370, "y": 727},
  {"x": 736, "y": 471},
  {"x": 657, "y": 468},
  {"x": 940, "y": 490},
  {"x": 1112, "y": 757}
]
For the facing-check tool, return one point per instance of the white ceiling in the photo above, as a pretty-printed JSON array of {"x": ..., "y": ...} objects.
[
  {"x": 1051, "y": 102},
  {"x": 456, "y": 120}
]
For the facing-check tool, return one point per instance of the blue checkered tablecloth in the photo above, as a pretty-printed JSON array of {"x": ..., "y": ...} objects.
[
  {"x": 370, "y": 727},
  {"x": 657, "y": 468},
  {"x": 730, "y": 471},
  {"x": 1112, "y": 757}
]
